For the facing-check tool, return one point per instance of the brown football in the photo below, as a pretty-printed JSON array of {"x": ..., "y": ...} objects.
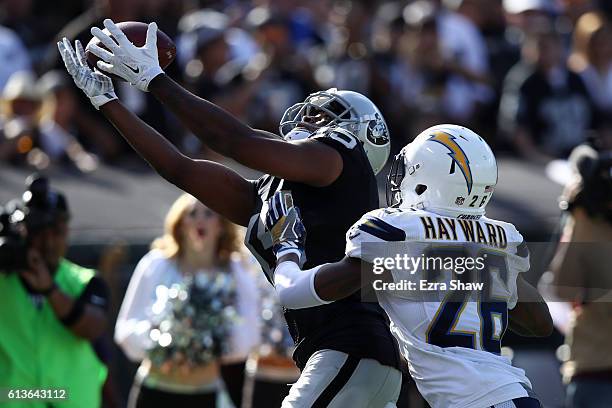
[{"x": 136, "y": 32}]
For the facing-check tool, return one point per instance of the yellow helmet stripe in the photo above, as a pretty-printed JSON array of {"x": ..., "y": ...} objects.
[{"x": 456, "y": 153}]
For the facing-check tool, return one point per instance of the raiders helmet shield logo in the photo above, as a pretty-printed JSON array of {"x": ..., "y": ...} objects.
[{"x": 377, "y": 131}]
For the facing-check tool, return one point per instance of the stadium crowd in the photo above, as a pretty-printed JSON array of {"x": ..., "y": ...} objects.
[{"x": 533, "y": 76}]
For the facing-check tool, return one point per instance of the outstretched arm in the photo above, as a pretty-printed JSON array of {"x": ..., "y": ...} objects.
[
  {"x": 215, "y": 185},
  {"x": 217, "y": 128},
  {"x": 530, "y": 317},
  {"x": 253, "y": 148}
]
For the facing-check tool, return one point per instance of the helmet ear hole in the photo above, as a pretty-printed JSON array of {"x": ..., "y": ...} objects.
[{"x": 420, "y": 189}]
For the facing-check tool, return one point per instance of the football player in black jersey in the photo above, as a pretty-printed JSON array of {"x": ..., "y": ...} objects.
[{"x": 333, "y": 143}]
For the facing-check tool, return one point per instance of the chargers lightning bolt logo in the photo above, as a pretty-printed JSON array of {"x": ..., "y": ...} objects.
[{"x": 457, "y": 154}]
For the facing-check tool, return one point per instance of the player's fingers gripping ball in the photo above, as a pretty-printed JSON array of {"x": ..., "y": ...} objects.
[
  {"x": 133, "y": 51},
  {"x": 285, "y": 225}
]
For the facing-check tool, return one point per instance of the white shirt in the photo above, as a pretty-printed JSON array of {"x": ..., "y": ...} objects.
[
  {"x": 154, "y": 269},
  {"x": 461, "y": 40}
]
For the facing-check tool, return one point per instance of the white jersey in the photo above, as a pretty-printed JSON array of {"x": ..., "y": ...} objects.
[{"x": 450, "y": 338}]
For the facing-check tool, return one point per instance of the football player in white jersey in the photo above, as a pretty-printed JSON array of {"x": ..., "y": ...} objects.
[{"x": 438, "y": 188}]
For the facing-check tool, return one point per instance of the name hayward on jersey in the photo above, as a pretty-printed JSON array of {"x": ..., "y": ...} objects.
[{"x": 452, "y": 342}]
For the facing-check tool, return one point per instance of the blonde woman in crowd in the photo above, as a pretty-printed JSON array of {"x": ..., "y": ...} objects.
[
  {"x": 196, "y": 241},
  {"x": 591, "y": 57}
]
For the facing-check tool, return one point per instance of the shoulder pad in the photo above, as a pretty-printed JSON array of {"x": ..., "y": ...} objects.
[
  {"x": 382, "y": 225},
  {"x": 340, "y": 135},
  {"x": 514, "y": 239},
  {"x": 514, "y": 236}
]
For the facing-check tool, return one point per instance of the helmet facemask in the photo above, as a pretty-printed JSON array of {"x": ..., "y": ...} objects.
[
  {"x": 399, "y": 193},
  {"x": 396, "y": 175},
  {"x": 321, "y": 109}
]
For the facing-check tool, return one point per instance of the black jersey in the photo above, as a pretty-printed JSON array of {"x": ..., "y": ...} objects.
[{"x": 349, "y": 325}]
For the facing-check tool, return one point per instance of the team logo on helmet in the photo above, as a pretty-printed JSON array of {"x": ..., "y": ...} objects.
[
  {"x": 456, "y": 153},
  {"x": 377, "y": 131}
]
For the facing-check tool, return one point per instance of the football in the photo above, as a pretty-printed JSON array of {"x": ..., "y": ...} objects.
[{"x": 136, "y": 32}]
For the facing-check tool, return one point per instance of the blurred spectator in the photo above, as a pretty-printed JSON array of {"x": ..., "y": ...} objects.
[
  {"x": 447, "y": 66},
  {"x": 503, "y": 53},
  {"x": 207, "y": 57},
  {"x": 19, "y": 110},
  {"x": 545, "y": 109},
  {"x": 18, "y": 16},
  {"x": 582, "y": 277},
  {"x": 349, "y": 55},
  {"x": 58, "y": 122},
  {"x": 464, "y": 46},
  {"x": 389, "y": 67},
  {"x": 100, "y": 138},
  {"x": 591, "y": 58},
  {"x": 51, "y": 309},
  {"x": 525, "y": 15},
  {"x": 196, "y": 241},
  {"x": 210, "y": 67},
  {"x": 574, "y": 9},
  {"x": 11, "y": 49},
  {"x": 280, "y": 76},
  {"x": 426, "y": 77}
]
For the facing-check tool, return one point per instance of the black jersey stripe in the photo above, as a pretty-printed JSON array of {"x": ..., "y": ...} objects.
[
  {"x": 339, "y": 381},
  {"x": 264, "y": 256},
  {"x": 380, "y": 229}
]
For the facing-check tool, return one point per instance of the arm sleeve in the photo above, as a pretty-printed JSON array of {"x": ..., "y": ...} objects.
[
  {"x": 133, "y": 325},
  {"x": 295, "y": 287}
]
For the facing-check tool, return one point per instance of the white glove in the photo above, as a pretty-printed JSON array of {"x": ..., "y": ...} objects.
[
  {"x": 97, "y": 86},
  {"x": 137, "y": 65}
]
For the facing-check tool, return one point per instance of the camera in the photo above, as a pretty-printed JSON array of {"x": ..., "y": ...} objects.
[
  {"x": 595, "y": 191},
  {"x": 13, "y": 246},
  {"x": 20, "y": 219}
]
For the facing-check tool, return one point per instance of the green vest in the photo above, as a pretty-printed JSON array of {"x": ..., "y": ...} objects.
[{"x": 38, "y": 351}]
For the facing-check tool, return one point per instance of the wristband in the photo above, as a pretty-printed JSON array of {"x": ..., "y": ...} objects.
[
  {"x": 288, "y": 250},
  {"x": 290, "y": 247}
]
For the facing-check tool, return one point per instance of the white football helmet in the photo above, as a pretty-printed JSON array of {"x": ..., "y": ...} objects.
[
  {"x": 345, "y": 109},
  {"x": 447, "y": 169}
]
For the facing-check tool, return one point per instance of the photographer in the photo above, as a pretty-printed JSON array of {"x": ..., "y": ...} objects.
[
  {"x": 581, "y": 276},
  {"x": 51, "y": 309}
]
